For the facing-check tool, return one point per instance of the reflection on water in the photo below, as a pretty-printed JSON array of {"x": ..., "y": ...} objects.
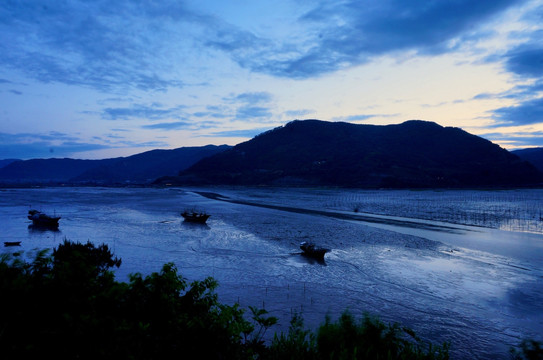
[
  {"x": 194, "y": 225},
  {"x": 42, "y": 229},
  {"x": 311, "y": 260}
]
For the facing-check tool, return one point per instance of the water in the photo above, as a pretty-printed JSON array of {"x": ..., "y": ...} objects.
[{"x": 451, "y": 275}]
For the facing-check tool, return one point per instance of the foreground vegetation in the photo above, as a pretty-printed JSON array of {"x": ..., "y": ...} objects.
[{"x": 68, "y": 305}]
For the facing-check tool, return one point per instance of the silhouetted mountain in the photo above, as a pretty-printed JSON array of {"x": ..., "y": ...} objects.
[
  {"x": 140, "y": 168},
  {"x": 412, "y": 154},
  {"x": 534, "y": 156},
  {"x": 6, "y": 162},
  {"x": 147, "y": 166}
]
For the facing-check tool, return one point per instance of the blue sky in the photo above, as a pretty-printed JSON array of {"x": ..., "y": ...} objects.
[{"x": 98, "y": 79}]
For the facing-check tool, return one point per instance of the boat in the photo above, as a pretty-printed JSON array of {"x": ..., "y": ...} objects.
[
  {"x": 311, "y": 250},
  {"x": 40, "y": 219},
  {"x": 195, "y": 217},
  {"x": 12, "y": 243}
]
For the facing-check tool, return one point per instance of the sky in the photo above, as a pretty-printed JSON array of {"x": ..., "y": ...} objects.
[{"x": 99, "y": 78}]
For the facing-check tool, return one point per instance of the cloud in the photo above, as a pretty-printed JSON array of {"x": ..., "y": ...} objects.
[
  {"x": 251, "y": 112},
  {"x": 520, "y": 92},
  {"x": 517, "y": 139},
  {"x": 168, "y": 126},
  {"x": 214, "y": 111},
  {"x": 358, "y": 117},
  {"x": 251, "y": 97},
  {"x": 126, "y": 44},
  {"x": 28, "y": 146},
  {"x": 96, "y": 44},
  {"x": 526, "y": 60},
  {"x": 353, "y": 32},
  {"x": 138, "y": 111},
  {"x": 231, "y": 39},
  {"x": 250, "y": 105},
  {"x": 362, "y": 117},
  {"x": 526, "y": 113},
  {"x": 298, "y": 113},
  {"x": 55, "y": 144},
  {"x": 249, "y": 133},
  {"x": 486, "y": 96}
]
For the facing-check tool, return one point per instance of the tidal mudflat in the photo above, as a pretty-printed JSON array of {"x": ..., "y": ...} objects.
[{"x": 459, "y": 266}]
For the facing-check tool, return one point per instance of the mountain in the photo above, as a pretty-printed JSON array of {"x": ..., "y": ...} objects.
[
  {"x": 411, "y": 154},
  {"x": 140, "y": 168},
  {"x": 147, "y": 166},
  {"x": 534, "y": 156},
  {"x": 6, "y": 162}
]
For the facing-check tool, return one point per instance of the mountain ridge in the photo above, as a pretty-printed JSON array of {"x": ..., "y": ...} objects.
[
  {"x": 532, "y": 155},
  {"x": 413, "y": 154},
  {"x": 312, "y": 152},
  {"x": 140, "y": 168}
]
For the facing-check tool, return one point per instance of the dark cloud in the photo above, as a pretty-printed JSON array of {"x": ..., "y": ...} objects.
[
  {"x": 353, "y": 32},
  {"x": 113, "y": 45},
  {"x": 528, "y": 89},
  {"x": 518, "y": 139},
  {"x": 526, "y": 60},
  {"x": 526, "y": 113}
]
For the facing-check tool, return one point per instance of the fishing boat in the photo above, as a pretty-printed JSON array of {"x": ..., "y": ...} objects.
[
  {"x": 40, "y": 219},
  {"x": 311, "y": 250},
  {"x": 12, "y": 243},
  {"x": 195, "y": 217}
]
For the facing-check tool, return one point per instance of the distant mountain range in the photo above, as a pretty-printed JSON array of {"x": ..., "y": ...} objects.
[
  {"x": 141, "y": 168},
  {"x": 414, "y": 154},
  {"x": 317, "y": 153},
  {"x": 533, "y": 155},
  {"x": 5, "y": 162}
]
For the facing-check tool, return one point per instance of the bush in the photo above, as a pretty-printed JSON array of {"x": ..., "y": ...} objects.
[
  {"x": 530, "y": 350},
  {"x": 68, "y": 305},
  {"x": 345, "y": 339}
]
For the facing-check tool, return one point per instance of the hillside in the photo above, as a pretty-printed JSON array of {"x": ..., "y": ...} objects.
[
  {"x": 534, "y": 156},
  {"x": 6, "y": 162},
  {"x": 411, "y": 154},
  {"x": 147, "y": 166},
  {"x": 140, "y": 168}
]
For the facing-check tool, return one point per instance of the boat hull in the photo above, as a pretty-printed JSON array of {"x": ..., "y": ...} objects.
[
  {"x": 198, "y": 218},
  {"x": 12, "y": 243},
  {"x": 310, "y": 250},
  {"x": 40, "y": 219}
]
